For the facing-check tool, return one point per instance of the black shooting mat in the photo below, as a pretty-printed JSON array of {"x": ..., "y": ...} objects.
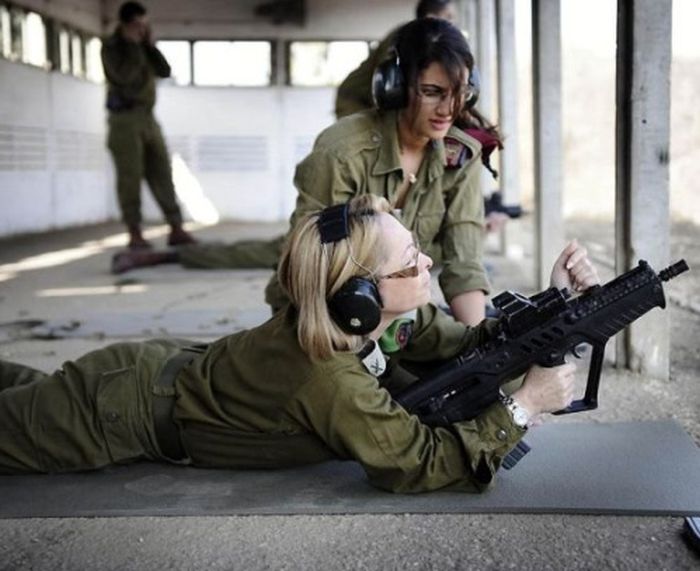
[{"x": 633, "y": 468}]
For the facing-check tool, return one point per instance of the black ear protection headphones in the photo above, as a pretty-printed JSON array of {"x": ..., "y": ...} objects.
[
  {"x": 356, "y": 307},
  {"x": 388, "y": 85},
  {"x": 389, "y": 90}
]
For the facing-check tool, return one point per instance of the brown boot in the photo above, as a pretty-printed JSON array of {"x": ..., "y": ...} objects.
[
  {"x": 136, "y": 239},
  {"x": 180, "y": 237},
  {"x": 129, "y": 259}
]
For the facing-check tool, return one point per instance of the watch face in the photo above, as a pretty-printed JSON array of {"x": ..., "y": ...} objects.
[{"x": 520, "y": 417}]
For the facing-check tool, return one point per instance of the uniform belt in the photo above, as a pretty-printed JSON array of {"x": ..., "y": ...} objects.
[{"x": 167, "y": 432}]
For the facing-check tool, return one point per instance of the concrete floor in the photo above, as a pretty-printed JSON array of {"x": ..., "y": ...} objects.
[{"x": 62, "y": 279}]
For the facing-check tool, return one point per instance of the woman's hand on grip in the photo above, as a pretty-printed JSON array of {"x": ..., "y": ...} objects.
[{"x": 547, "y": 389}]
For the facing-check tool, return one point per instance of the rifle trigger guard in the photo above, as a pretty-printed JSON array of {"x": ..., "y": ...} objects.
[
  {"x": 579, "y": 351},
  {"x": 554, "y": 359}
]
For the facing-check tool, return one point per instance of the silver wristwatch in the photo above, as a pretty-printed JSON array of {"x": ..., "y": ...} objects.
[{"x": 519, "y": 414}]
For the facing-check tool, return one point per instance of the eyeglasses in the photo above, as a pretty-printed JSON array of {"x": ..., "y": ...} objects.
[
  {"x": 433, "y": 95},
  {"x": 409, "y": 272}
]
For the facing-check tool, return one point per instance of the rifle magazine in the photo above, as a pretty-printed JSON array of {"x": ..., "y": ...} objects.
[{"x": 515, "y": 455}]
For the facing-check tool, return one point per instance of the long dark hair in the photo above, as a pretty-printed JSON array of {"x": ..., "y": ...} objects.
[
  {"x": 473, "y": 119},
  {"x": 424, "y": 41}
]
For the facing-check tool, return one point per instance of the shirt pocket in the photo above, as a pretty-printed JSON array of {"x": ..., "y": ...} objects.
[
  {"x": 120, "y": 413},
  {"x": 428, "y": 225}
]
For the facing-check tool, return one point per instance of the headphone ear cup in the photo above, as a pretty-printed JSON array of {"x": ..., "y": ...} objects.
[
  {"x": 356, "y": 307},
  {"x": 475, "y": 87},
  {"x": 388, "y": 85}
]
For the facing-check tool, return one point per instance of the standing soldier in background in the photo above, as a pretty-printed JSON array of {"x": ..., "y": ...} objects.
[
  {"x": 131, "y": 64},
  {"x": 355, "y": 92}
]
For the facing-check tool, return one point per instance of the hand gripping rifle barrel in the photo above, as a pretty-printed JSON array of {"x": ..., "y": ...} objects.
[{"x": 538, "y": 330}]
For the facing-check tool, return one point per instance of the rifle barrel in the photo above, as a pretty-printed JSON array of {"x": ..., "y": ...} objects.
[{"x": 673, "y": 270}]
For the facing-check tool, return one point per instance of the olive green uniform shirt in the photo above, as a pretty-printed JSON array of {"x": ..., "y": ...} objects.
[
  {"x": 256, "y": 400},
  {"x": 131, "y": 70},
  {"x": 444, "y": 207}
]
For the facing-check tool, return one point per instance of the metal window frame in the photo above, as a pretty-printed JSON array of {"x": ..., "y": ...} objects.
[
  {"x": 288, "y": 56},
  {"x": 52, "y": 27}
]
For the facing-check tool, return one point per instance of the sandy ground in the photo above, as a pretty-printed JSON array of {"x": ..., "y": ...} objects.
[{"x": 62, "y": 279}]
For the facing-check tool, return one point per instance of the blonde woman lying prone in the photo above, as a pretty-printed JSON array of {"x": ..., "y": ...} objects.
[{"x": 311, "y": 384}]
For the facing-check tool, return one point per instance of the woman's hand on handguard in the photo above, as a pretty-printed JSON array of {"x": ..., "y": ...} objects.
[
  {"x": 573, "y": 269},
  {"x": 546, "y": 389}
]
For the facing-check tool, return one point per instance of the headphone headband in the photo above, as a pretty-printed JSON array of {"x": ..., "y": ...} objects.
[{"x": 333, "y": 223}]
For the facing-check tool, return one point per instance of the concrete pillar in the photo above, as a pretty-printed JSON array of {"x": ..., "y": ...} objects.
[
  {"x": 486, "y": 60},
  {"x": 509, "y": 172},
  {"x": 547, "y": 103},
  {"x": 485, "y": 54},
  {"x": 468, "y": 20},
  {"x": 642, "y": 170},
  {"x": 280, "y": 63}
]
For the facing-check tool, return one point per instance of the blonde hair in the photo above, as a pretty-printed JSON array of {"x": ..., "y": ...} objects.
[{"x": 311, "y": 272}]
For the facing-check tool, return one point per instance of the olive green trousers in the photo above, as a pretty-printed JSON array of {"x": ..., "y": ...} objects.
[
  {"x": 236, "y": 255},
  {"x": 139, "y": 151},
  {"x": 93, "y": 412}
]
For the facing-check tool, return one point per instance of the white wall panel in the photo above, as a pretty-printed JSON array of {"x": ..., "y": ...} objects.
[
  {"x": 26, "y": 201},
  {"x": 81, "y": 197},
  {"x": 82, "y": 188},
  {"x": 25, "y": 96},
  {"x": 76, "y": 104},
  {"x": 305, "y": 112},
  {"x": 25, "y": 181},
  {"x": 53, "y": 163},
  {"x": 23, "y": 148},
  {"x": 242, "y": 145}
]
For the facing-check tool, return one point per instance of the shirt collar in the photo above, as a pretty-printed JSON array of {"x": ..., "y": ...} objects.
[
  {"x": 388, "y": 159},
  {"x": 372, "y": 356},
  {"x": 389, "y": 151},
  {"x": 437, "y": 159}
]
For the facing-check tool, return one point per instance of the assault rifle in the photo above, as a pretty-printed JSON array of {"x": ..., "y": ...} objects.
[{"x": 539, "y": 330}]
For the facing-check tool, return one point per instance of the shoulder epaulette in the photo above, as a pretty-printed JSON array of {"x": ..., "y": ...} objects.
[
  {"x": 489, "y": 143},
  {"x": 456, "y": 153}
]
